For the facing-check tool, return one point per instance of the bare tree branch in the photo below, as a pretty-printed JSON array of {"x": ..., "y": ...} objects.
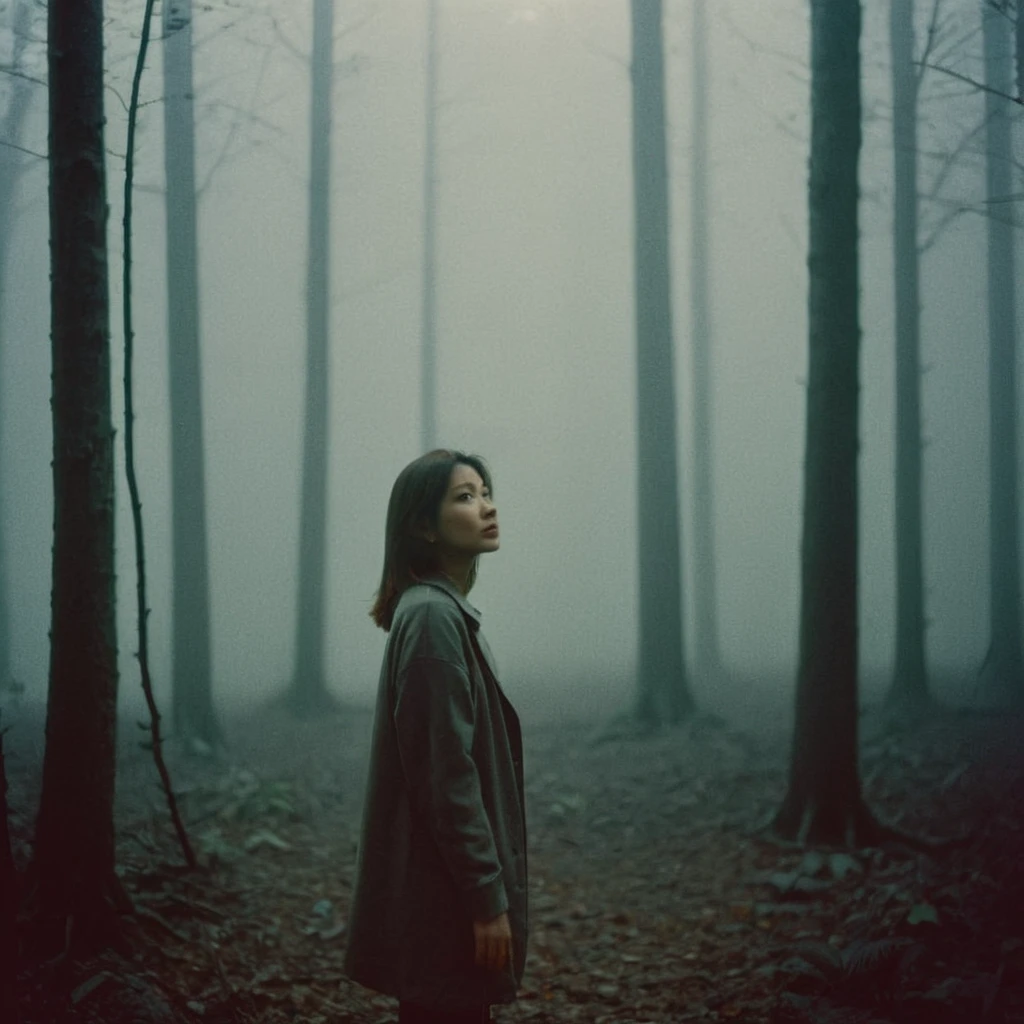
[
  {"x": 156, "y": 738},
  {"x": 1013, "y": 197},
  {"x": 248, "y": 112},
  {"x": 951, "y": 215},
  {"x": 298, "y": 53},
  {"x": 13, "y": 72},
  {"x": 217, "y": 33},
  {"x": 797, "y": 64},
  {"x": 955, "y": 46},
  {"x": 120, "y": 98},
  {"x": 354, "y": 26},
  {"x": 976, "y": 84},
  {"x": 951, "y": 159},
  {"x": 1001, "y": 7},
  {"x": 783, "y": 123},
  {"x": 22, "y": 149},
  {"x": 942, "y": 91},
  {"x": 233, "y": 130},
  {"x": 929, "y": 45}
]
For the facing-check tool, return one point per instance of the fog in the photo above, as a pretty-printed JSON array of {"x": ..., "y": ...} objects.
[{"x": 536, "y": 359}]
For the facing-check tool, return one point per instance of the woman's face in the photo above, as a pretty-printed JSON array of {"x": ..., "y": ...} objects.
[{"x": 467, "y": 521}]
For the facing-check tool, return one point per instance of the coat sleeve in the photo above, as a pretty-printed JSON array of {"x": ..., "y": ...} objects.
[{"x": 434, "y": 726}]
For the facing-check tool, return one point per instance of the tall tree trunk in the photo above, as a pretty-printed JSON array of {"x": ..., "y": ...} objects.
[
  {"x": 309, "y": 687},
  {"x": 663, "y": 692},
  {"x": 194, "y": 718},
  {"x": 1018, "y": 46},
  {"x": 10, "y": 171},
  {"x": 9, "y": 902},
  {"x": 1002, "y": 675},
  {"x": 74, "y": 845},
  {"x": 707, "y": 647},
  {"x": 428, "y": 369},
  {"x": 823, "y": 803},
  {"x": 910, "y": 679}
]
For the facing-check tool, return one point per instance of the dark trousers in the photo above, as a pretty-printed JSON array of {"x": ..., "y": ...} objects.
[{"x": 410, "y": 1013}]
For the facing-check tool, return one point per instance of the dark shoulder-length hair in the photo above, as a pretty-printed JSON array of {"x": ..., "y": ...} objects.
[{"x": 415, "y": 504}]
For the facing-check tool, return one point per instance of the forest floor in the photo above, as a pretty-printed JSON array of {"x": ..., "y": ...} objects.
[{"x": 653, "y": 896}]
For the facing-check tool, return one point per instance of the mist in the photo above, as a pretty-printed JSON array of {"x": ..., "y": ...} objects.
[{"x": 536, "y": 352}]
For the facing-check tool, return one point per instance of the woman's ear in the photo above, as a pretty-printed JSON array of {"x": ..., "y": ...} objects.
[{"x": 424, "y": 532}]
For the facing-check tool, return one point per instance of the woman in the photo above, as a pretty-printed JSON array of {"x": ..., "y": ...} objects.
[{"x": 438, "y": 914}]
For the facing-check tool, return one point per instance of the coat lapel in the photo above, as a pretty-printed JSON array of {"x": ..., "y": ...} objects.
[{"x": 472, "y": 615}]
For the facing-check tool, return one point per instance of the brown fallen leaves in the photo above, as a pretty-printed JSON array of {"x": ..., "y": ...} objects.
[{"x": 653, "y": 899}]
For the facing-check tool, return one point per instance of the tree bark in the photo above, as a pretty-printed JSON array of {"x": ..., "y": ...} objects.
[
  {"x": 909, "y": 687},
  {"x": 664, "y": 694},
  {"x": 309, "y": 688},
  {"x": 1002, "y": 675},
  {"x": 193, "y": 715},
  {"x": 823, "y": 803},
  {"x": 74, "y": 845},
  {"x": 707, "y": 648},
  {"x": 10, "y": 172},
  {"x": 1018, "y": 47},
  {"x": 428, "y": 368},
  {"x": 9, "y": 900}
]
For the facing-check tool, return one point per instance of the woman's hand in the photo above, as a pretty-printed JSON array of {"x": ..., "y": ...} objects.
[{"x": 493, "y": 943}]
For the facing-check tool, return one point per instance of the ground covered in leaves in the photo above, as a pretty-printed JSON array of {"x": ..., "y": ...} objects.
[{"x": 654, "y": 897}]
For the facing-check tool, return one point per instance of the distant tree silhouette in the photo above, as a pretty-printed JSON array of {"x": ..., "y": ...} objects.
[
  {"x": 707, "y": 647},
  {"x": 823, "y": 803},
  {"x": 12, "y": 163},
  {"x": 663, "y": 688},
  {"x": 428, "y": 319},
  {"x": 1002, "y": 674},
  {"x": 1018, "y": 47},
  {"x": 308, "y": 693},
  {"x": 193, "y": 716},
  {"x": 73, "y": 861},
  {"x": 909, "y": 686}
]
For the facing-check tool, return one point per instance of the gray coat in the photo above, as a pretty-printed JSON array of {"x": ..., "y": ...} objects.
[{"x": 444, "y": 829}]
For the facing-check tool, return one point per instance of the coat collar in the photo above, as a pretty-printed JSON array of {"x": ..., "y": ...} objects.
[
  {"x": 472, "y": 614},
  {"x": 446, "y": 584}
]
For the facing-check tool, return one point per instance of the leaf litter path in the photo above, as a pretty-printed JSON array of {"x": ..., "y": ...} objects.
[{"x": 652, "y": 897}]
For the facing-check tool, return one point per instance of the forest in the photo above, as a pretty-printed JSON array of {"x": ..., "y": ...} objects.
[{"x": 723, "y": 291}]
